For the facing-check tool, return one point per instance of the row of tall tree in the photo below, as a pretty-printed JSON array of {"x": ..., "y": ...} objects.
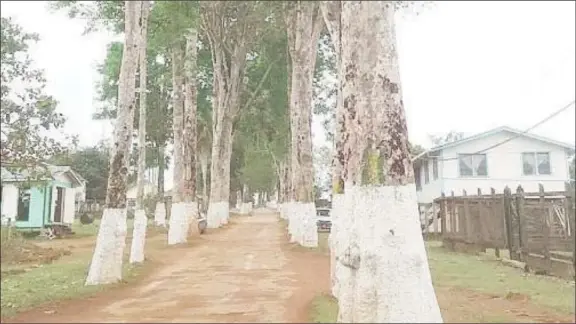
[{"x": 260, "y": 76}]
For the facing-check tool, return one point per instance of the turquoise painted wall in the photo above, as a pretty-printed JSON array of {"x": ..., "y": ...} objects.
[{"x": 36, "y": 213}]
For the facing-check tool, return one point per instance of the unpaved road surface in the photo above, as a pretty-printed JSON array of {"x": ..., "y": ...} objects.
[{"x": 246, "y": 272}]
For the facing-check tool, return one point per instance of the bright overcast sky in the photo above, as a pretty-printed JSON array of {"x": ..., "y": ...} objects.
[{"x": 465, "y": 66}]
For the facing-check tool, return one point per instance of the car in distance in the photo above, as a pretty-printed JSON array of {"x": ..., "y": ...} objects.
[{"x": 323, "y": 220}]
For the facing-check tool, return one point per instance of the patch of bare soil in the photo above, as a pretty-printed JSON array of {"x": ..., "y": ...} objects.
[
  {"x": 245, "y": 272},
  {"x": 460, "y": 305},
  {"x": 17, "y": 250}
]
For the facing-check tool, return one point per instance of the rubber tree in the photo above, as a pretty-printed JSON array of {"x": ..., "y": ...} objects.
[
  {"x": 304, "y": 24},
  {"x": 331, "y": 11},
  {"x": 231, "y": 28},
  {"x": 106, "y": 265},
  {"x": 389, "y": 279},
  {"x": 140, "y": 218}
]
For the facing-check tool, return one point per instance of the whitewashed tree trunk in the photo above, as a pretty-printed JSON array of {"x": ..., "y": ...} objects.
[
  {"x": 160, "y": 211},
  {"x": 331, "y": 11},
  {"x": 204, "y": 167},
  {"x": 388, "y": 278},
  {"x": 140, "y": 219},
  {"x": 227, "y": 84},
  {"x": 304, "y": 25},
  {"x": 190, "y": 138},
  {"x": 178, "y": 209},
  {"x": 106, "y": 265}
]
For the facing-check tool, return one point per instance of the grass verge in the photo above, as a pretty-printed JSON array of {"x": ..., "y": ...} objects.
[{"x": 479, "y": 274}]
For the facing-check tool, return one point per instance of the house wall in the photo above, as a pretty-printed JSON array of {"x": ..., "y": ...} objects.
[
  {"x": 9, "y": 202},
  {"x": 504, "y": 168},
  {"x": 69, "y": 205},
  {"x": 429, "y": 191},
  {"x": 148, "y": 189}
]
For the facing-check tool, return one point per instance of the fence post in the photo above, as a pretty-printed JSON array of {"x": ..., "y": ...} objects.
[
  {"x": 493, "y": 218},
  {"x": 443, "y": 215},
  {"x": 571, "y": 217},
  {"x": 467, "y": 220},
  {"x": 522, "y": 239},
  {"x": 483, "y": 235},
  {"x": 435, "y": 220},
  {"x": 453, "y": 218},
  {"x": 545, "y": 226},
  {"x": 508, "y": 221}
]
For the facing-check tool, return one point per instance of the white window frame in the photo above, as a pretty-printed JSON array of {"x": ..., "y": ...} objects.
[
  {"x": 535, "y": 167},
  {"x": 474, "y": 171}
]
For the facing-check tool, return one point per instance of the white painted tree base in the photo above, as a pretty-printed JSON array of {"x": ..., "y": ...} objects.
[
  {"x": 218, "y": 214},
  {"x": 337, "y": 202},
  {"x": 292, "y": 211},
  {"x": 245, "y": 208},
  {"x": 308, "y": 233},
  {"x": 389, "y": 272},
  {"x": 160, "y": 214},
  {"x": 106, "y": 265},
  {"x": 177, "y": 224},
  {"x": 191, "y": 218},
  {"x": 138, "y": 236}
]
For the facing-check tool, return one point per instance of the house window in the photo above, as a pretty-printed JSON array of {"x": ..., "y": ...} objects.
[
  {"x": 473, "y": 165},
  {"x": 536, "y": 163},
  {"x": 426, "y": 172},
  {"x": 435, "y": 169}
]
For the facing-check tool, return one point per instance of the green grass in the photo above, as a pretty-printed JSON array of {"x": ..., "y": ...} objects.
[
  {"x": 81, "y": 230},
  {"x": 484, "y": 274},
  {"x": 324, "y": 309},
  {"x": 57, "y": 281},
  {"x": 478, "y": 273}
]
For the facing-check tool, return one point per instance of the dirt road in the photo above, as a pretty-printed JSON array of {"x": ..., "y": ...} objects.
[{"x": 246, "y": 272}]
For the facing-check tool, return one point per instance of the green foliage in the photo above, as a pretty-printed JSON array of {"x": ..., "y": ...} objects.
[
  {"x": 415, "y": 149},
  {"x": 97, "y": 14},
  {"x": 28, "y": 114},
  {"x": 92, "y": 164},
  {"x": 451, "y": 136},
  {"x": 262, "y": 133}
]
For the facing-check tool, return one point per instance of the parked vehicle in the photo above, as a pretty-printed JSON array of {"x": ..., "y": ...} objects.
[{"x": 323, "y": 220}]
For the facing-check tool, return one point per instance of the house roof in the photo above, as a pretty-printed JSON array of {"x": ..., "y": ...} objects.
[
  {"x": 52, "y": 169},
  {"x": 500, "y": 129}
]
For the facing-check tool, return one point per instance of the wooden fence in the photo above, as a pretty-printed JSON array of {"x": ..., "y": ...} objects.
[{"x": 536, "y": 228}]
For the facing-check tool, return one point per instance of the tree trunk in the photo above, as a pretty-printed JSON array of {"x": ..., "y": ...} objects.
[
  {"x": 160, "y": 212},
  {"x": 389, "y": 279},
  {"x": 304, "y": 26},
  {"x": 204, "y": 167},
  {"x": 106, "y": 265},
  {"x": 140, "y": 218},
  {"x": 228, "y": 79},
  {"x": 246, "y": 202},
  {"x": 331, "y": 11},
  {"x": 190, "y": 137},
  {"x": 177, "y": 211}
]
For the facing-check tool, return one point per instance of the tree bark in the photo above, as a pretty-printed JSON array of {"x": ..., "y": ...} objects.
[
  {"x": 177, "y": 212},
  {"x": 160, "y": 212},
  {"x": 140, "y": 219},
  {"x": 331, "y": 11},
  {"x": 304, "y": 25},
  {"x": 190, "y": 134},
  {"x": 389, "y": 279},
  {"x": 106, "y": 265},
  {"x": 228, "y": 78}
]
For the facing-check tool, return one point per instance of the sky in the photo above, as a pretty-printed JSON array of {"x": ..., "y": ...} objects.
[{"x": 465, "y": 66}]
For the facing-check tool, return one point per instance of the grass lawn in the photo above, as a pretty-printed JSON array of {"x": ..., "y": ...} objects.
[
  {"x": 37, "y": 283},
  {"x": 61, "y": 280},
  {"x": 483, "y": 276}
]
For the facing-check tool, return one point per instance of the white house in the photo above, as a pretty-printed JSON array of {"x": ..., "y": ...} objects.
[
  {"x": 494, "y": 159},
  {"x": 149, "y": 189}
]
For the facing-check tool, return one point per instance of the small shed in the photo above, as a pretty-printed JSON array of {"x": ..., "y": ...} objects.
[{"x": 32, "y": 203}]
